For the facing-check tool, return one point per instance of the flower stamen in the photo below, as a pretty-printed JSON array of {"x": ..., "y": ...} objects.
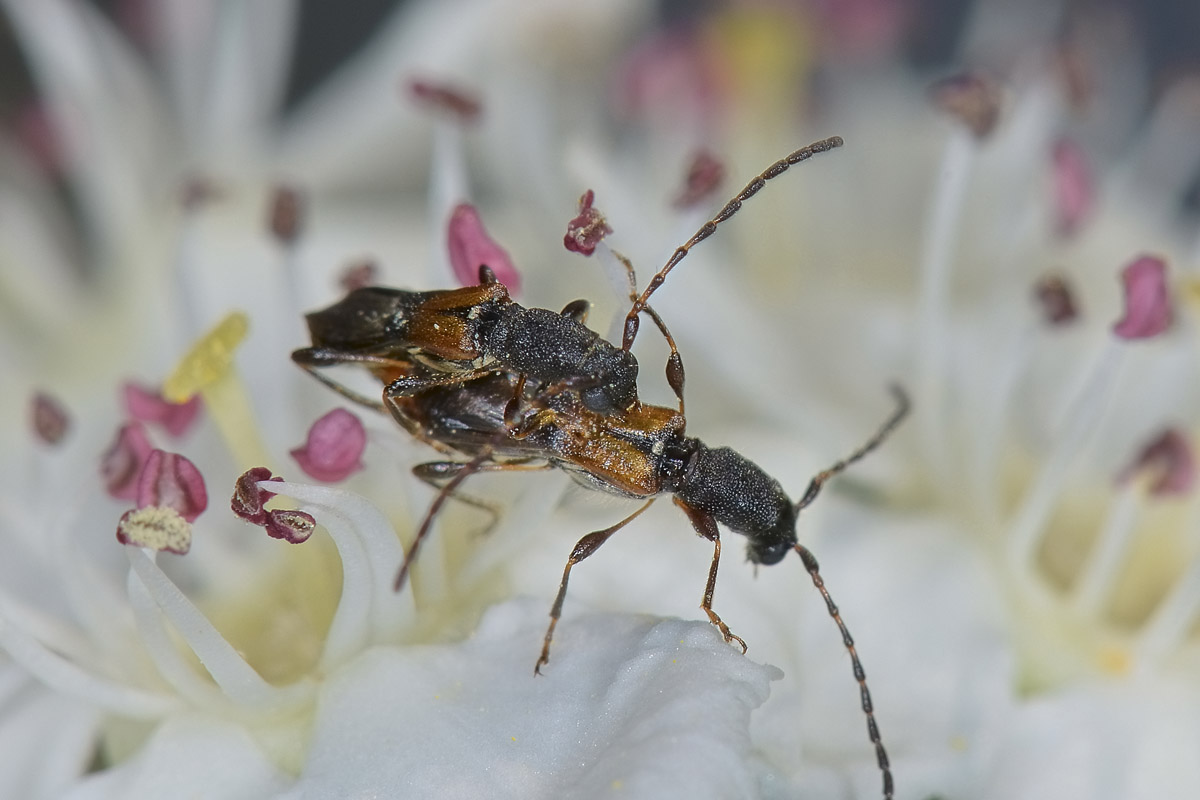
[
  {"x": 1147, "y": 314},
  {"x": 1172, "y": 621},
  {"x": 155, "y": 527},
  {"x": 587, "y": 228},
  {"x": 1102, "y": 569},
  {"x": 1074, "y": 192},
  {"x": 333, "y": 449},
  {"x": 452, "y": 100},
  {"x": 145, "y": 405},
  {"x": 369, "y": 612},
  {"x": 50, "y": 419},
  {"x": 286, "y": 217},
  {"x": 1078, "y": 422},
  {"x": 236, "y": 678},
  {"x": 208, "y": 369},
  {"x": 1147, "y": 305},
  {"x": 471, "y": 247},
  {"x": 704, "y": 175},
  {"x": 937, "y": 251},
  {"x": 69, "y": 678},
  {"x": 448, "y": 187},
  {"x": 121, "y": 463}
]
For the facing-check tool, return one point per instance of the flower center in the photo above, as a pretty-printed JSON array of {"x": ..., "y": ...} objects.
[{"x": 279, "y": 621}]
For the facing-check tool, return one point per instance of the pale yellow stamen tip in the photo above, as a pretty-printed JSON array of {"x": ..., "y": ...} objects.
[
  {"x": 763, "y": 50},
  {"x": 157, "y": 527},
  {"x": 1114, "y": 660},
  {"x": 1189, "y": 290},
  {"x": 208, "y": 369},
  {"x": 958, "y": 743},
  {"x": 209, "y": 359}
]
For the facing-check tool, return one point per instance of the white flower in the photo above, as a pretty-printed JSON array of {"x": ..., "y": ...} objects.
[{"x": 1006, "y": 656}]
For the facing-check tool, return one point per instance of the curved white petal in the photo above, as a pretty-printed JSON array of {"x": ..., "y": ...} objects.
[
  {"x": 190, "y": 755},
  {"x": 626, "y": 705},
  {"x": 1102, "y": 742},
  {"x": 370, "y": 553},
  {"x": 47, "y": 739}
]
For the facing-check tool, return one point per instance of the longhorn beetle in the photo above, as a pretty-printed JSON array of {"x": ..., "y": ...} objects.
[{"x": 507, "y": 388}]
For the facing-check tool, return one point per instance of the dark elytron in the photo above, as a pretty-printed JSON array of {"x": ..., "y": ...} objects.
[{"x": 455, "y": 335}]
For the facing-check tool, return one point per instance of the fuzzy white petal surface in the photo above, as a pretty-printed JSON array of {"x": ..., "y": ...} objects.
[
  {"x": 1102, "y": 742},
  {"x": 47, "y": 739},
  {"x": 627, "y": 705},
  {"x": 190, "y": 755}
]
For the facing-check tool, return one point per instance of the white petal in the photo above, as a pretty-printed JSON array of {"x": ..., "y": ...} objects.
[
  {"x": 189, "y": 756},
  {"x": 626, "y": 705},
  {"x": 904, "y": 591},
  {"x": 1103, "y": 742},
  {"x": 47, "y": 741}
]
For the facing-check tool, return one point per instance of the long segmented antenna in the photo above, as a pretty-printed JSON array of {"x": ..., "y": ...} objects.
[
  {"x": 775, "y": 170},
  {"x": 810, "y": 564},
  {"x": 674, "y": 361},
  {"x": 814, "y": 486}
]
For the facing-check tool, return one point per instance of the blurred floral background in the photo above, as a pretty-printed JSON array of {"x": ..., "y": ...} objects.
[{"x": 1010, "y": 231}]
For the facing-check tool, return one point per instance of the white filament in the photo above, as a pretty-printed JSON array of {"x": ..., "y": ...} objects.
[{"x": 237, "y": 679}]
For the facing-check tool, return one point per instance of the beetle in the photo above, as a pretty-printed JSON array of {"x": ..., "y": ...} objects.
[
  {"x": 455, "y": 335},
  {"x": 495, "y": 386}
]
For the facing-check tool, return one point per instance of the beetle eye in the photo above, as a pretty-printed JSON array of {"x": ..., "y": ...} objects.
[
  {"x": 767, "y": 554},
  {"x": 596, "y": 399}
]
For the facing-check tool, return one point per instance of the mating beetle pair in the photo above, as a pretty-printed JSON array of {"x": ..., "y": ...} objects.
[{"x": 495, "y": 386}]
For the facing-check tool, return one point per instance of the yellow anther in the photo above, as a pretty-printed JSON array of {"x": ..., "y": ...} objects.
[
  {"x": 209, "y": 359},
  {"x": 1189, "y": 290},
  {"x": 1114, "y": 660},
  {"x": 208, "y": 370},
  {"x": 156, "y": 527},
  {"x": 765, "y": 51}
]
